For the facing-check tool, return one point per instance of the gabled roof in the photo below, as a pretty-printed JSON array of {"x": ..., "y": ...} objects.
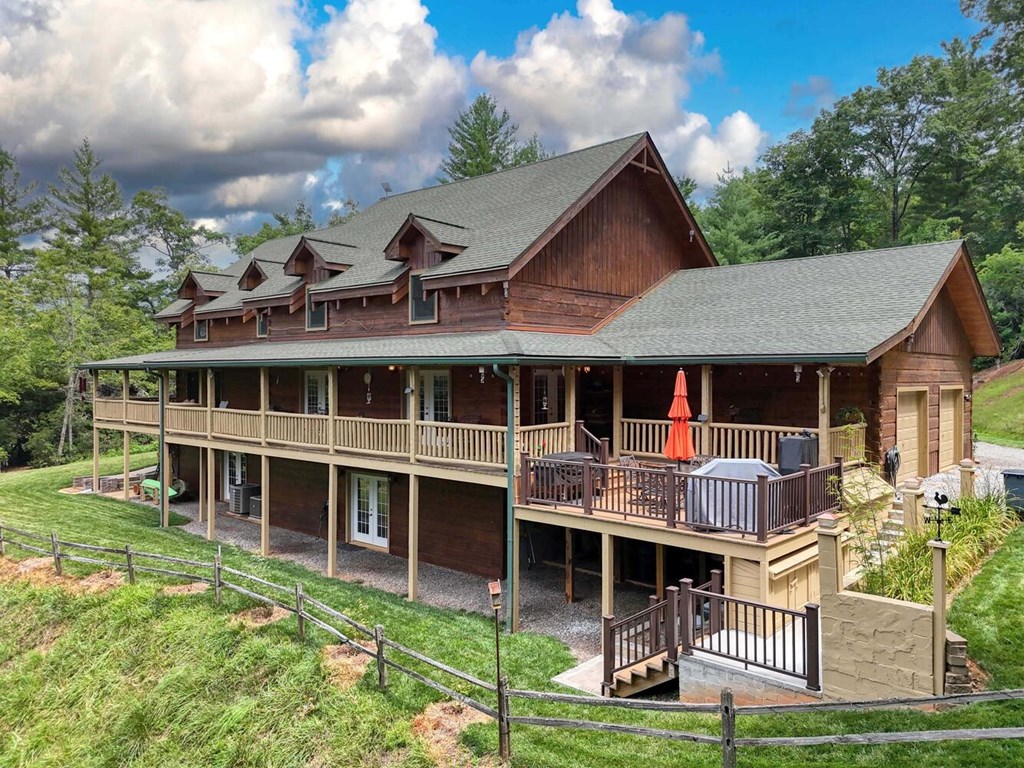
[
  {"x": 174, "y": 310},
  {"x": 254, "y": 266},
  {"x": 212, "y": 282}
]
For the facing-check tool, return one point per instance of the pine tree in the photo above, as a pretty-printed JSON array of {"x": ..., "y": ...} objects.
[
  {"x": 482, "y": 141},
  {"x": 21, "y": 214}
]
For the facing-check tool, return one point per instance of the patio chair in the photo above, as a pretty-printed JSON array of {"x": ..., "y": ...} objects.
[{"x": 649, "y": 488}]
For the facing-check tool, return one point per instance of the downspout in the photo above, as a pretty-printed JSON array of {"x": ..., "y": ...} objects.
[
  {"x": 510, "y": 470},
  {"x": 164, "y": 469}
]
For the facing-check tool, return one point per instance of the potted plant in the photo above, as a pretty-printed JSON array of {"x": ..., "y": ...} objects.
[{"x": 849, "y": 414}]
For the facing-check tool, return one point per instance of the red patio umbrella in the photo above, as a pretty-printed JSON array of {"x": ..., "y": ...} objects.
[{"x": 679, "y": 445}]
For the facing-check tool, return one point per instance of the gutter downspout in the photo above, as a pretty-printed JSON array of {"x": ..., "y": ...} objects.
[
  {"x": 510, "y": 468},
  {"x": 162, "y": 443}
]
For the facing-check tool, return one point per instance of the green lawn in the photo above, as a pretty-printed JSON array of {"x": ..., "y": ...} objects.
[
  {"x": 134, "y": 677},
  {"x": 998, "y": 410}
]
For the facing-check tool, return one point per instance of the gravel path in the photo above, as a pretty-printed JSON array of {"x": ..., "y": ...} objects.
[
  {"x": 991, "y": 461},
  {"x": 543, "y": 606}
]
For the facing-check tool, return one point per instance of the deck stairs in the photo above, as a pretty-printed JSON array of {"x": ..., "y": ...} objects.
[{"x": 643, "y": 676}]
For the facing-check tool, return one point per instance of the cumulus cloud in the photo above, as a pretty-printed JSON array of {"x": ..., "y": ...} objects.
[
  {"x": 807, "y": 99},
  {"x": 601, "y": 73},
  {"x": 212, "y": 94}
]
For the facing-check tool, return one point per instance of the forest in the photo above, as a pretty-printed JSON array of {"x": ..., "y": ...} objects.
[{"x": 932, "y": 150}]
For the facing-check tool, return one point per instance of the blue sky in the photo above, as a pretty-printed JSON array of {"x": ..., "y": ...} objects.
[{"x": 241, "y": 107}]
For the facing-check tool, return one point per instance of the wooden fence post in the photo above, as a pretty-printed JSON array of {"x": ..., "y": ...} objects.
[
  {"x": 299, "y": 607},
  {"x": 382, "y": 667},
  {"x": 588, "y": 486},
  {"x": 672, "y": 623},
  {"x": 606, "y": 451},
  {"x": 608, "y": 651},
  {"x": 728, "y": 730},
  {"x": 685, "y": 616},
  {"x": 671, "y": 511},
  {"x": 812, "y": 650},
  {"x": 716, "y": 605},
  {"x": 216, "y": 575},
  {"x": 806, "y": 469},
  {"x": 504, "y": 750},
  {"x": 762, "y": 507},
  {"x": 129, "y": 561},
  {"x": 56, "y": 553},
  {"x": 3, "y": 551}
]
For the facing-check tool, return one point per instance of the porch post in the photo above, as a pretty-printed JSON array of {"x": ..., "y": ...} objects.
[
  {"x": 939, "y": 615},
  {"x": 607, "y": 575},
  {"x": 126, "y": 451},
  {"x": 211, "y": 494},
  {"x": 332, "y": 521},
  {"x": 570, "y": 569},
  {"x": 570, "y": 394},
  {"x": 165, "y": 453},
  {"x": 210, "y": 393},
  {"x": 514, "y": 601},
  {"x": 412, "y": 407},
  {"x": 265, "y": 505},
  {"x": 659, "y": 568},
  {"x": 125, "y": 389},
  {"x": 706, "y": 407},
  {"x": 95, "y": 434},
  {"x": 617, "y": 409},
  {"x": 517, "y": 416},
  {"x": 967, "y": 479},
  {"x": 414, "y": 537},
  {"x": 824, "y": 411},
  {"x": 332, "y": 407},
  {"x": 201, "y": 490},
  {"x": 264, "y": 402}
]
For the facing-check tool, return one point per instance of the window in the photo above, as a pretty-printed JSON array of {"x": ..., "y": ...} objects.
[
  {"x": 262, "y": 325},
  {"x": 421, "y": 310},
  {"x": 202, "y": 331},
  {"x": 316, "y": 393},
  {"x": 234, "y": 471},
  {"x": 316, "y": 314},
  {"x": 371, "y": 509}
]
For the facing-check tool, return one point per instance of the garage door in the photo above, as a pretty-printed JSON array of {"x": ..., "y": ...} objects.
[
  {"x": 950, "y": 429},
  {"x": 910, "y": 421}
]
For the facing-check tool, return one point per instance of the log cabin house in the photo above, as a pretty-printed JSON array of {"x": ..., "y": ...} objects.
[{"x": 395, "y": 382}]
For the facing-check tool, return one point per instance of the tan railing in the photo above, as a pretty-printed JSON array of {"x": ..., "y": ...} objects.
[
  {"x": 750, "y": 441},
  {"x": 189, "y": 419},
  {"x": 849, "y": 442},
  {"x": 461, "y": 443},
  {"x": 108, "y": 410},
  {"x": 542, "y": 439},
  {"x": 143, "y": 412},
  {"x": 646, "y": 437},
  {"x": 240, "y": 425},
  {"x": 384, "y": 437},
  {"x": 297, "y": 429}
]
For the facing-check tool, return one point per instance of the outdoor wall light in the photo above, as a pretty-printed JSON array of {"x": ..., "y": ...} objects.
[
  {"x": 481, "y": 374},
  {"x": 586, "y": 369},
  {"x": 798, "y": 369},
  {"x": 408, "y": 390}
]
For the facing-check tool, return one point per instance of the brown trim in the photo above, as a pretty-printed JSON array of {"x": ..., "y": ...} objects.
[
  {"x": 466, "y": 278},
  {"x": 281, "y": 300},
  {"x": 357, "y": 292}
]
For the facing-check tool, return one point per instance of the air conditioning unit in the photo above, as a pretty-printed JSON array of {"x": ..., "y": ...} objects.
[
  {"x": 256, "y": 506},
  {"x": 240, "y": 495}
]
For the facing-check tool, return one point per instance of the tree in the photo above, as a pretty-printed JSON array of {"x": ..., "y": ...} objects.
[
  {"x": 295, "y": 223},
  {"x": 21, "y": 214},
  {"x": 1002, "y": 276},
  {"x": 1004, "y": 26},
  {"x": 344, "y": 211},
  {"x": 482, "y": 141},
  {"x": 686, "y": 186},
  {"x": 179, "y": 242},
  {"x": 734, "y": 223}
]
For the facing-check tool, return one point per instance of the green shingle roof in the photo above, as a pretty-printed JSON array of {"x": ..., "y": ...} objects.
[{"x": 174, "y": 309}]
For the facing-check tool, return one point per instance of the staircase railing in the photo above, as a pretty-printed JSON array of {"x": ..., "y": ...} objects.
[{"x": 588, "y": 442}]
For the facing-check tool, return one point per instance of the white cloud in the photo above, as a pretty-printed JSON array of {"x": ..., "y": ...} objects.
[{"x": 601, "y": 73}]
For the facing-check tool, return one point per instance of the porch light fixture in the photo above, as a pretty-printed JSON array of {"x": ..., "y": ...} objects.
[
  {"x": 798, "y": 369},
  {"x": 481, "y": 374},
  {"x": 367, "y": 378},
  {"x": 586, "y": 369},
  {"x": 391, "y": 367}
]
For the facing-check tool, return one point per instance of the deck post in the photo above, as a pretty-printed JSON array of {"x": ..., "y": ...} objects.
[
  {"x": 211, "y": 393},
  {"x": 812, "y": 646},
  {"x": 95, "y": 434},
  {"x": 824, "y": 414},
  {"x": 126, "y": 453},
  {"x": 412, "y": 407},
  {"x": 939, "y": 549},
  {"x": 608, "y": 651},
  {"x": 716, "y": 604},
  {"x": 913, "y": 502},
  {"x": 166, "y": 476},
  {"x": 685, "y": 616},
  {"x": 588, "y": 486},
  {"x": 659, "y": 571},
  {"x": 762, "y": 507},
  {"x": 570, "y": 394},
  {"x": 578, "y": 436},
  {"x": 967, "y": 479},
  {"x": 201, "y": 490},
  {"x": 211, "y": 494},
  {"x": 264, "y": 505},
  {"x": 607, "y": 575},
  {"x": 570, "y": 569},
  {"x": 514, "y": 598},
  {"x": 264, "y": 402},
  {"x": 414, "y": 536},
  {"x": 524, "y": 477},
  {"x": 706, "y": 406},
  {"x": 332, "y": 521},
  {"x": 332, "y": 408},
  {"x": 672, "y": 623},
  {"x": 806, "y": 469},
  {"x": 671, "y": 513},
  {"x": 616, "y": 411},
  {"x": 125, "y": 392}
]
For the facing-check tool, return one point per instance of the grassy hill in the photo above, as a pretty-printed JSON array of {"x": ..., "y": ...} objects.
[
  {"x": 135, "y": 677},
  {"x": 999, "y": 405}
]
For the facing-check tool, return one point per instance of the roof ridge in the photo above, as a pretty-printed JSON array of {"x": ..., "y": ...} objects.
[
  {"x": 439, "y": 221},
  {"x": 763, "y": 262}
]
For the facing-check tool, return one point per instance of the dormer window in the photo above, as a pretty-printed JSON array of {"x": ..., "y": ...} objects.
[
  {"x": 422, "y": 309},
  {"x": 316, "y": 314},
  {"x": 201, "y": 330},
  {"x": 262, "y": 325}
]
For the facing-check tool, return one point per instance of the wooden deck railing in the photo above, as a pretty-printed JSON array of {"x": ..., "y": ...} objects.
[
  {"x": 669, "y": 497},
  {"x": 547, "y": 438},
  {"x": 446, "y": 441},
  {"x": 849, "y": 442},
  {"x": 235, "y": 424},
  {"x": 108, "y": 410},
  {"x": 298, "y": 429},
  {"x": 588, "y": 442},
  {"x": 186, "y": 419},
  {"x": 646, "y": 437},
  {"x": 377, "y": 437},
  {"x": 749, "y": 441},
  {"x": 143, "y": 412}
]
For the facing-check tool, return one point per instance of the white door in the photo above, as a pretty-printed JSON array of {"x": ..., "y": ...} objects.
[
  {"x": 315, "y": 401},
  {"x": 371, "y": 509},
  {"x": 435, "y": 396},
  {"x": 234, "y": 471}
]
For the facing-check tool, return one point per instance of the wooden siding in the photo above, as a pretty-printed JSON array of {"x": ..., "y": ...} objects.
[
  {"x": 940, "y": 331},
  {"x": 298, "y": 491},
  {"x": 535, "y": 304}
]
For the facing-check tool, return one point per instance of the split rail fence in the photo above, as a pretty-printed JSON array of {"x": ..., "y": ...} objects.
[{"x": 309, "y": 610}]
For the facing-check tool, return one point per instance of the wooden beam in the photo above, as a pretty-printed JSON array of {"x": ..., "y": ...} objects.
[
  {"x": 607, "y": 575},
  {"x": 570, "y": 570},
  {"x": 264, "y": 402},
  {"x": 616, "y": 409},
  {"x": 95, "y": 437},
  {"x": 126, "y": 450},
  {"x": 332, "y": 407},
  {"x": 659, "y": 570},
  {"x": 210, "y": 394},
  {"x": 166, "y": 476},
  {"x": 265, "y": 505},
  {"x": 486, "y": 288},
  {"x": 125, "y": 393},
  {"x": 824, "y": 413},
  {"x": 414, "y": 537},
  {"x": 644, "y": 167},
  {"x": 201, "y": 491},
  {"x": 332, "y": 521},
  {"x": 412, "y": 407},
  {"x": 570, "y": 394},
  {"x": 211, "y": 494},
  {"x": 515, "y": 607},
  {"x": 706, "y": 407}
]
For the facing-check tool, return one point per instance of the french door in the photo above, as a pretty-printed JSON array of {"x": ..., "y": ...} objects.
[
  {"x": 371, "y": 509},
  {"x": 234, "y": 471},
  {"x": 315, "y": 401},
  {"x": 435, "y": 396}
]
